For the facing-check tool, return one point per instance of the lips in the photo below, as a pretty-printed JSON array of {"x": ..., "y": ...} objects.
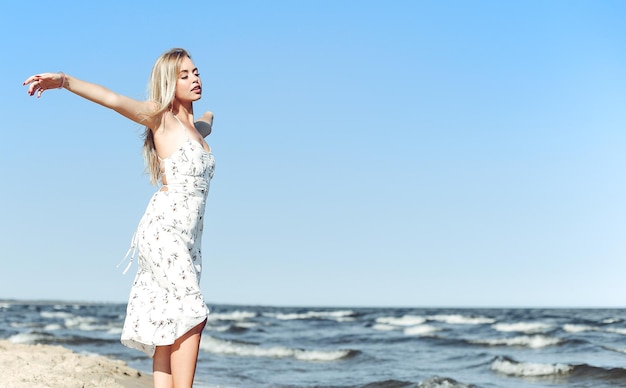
[{"x": 197, "y": 89}]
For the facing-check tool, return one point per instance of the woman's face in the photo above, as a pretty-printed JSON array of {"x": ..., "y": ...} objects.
[{"x": 188, "y": 85}]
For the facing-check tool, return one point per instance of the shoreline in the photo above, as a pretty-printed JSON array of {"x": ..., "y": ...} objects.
[{"x": 25, "y": 365}]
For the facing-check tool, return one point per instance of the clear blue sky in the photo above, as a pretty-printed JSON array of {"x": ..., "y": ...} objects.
[{"x": 388, "y": 153}]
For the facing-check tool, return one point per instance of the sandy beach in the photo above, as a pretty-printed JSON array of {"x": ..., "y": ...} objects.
[{"x": 49, "y": 366}]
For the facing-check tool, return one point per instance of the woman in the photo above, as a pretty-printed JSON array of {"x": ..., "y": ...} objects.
[{"x": 166, "y": 311}]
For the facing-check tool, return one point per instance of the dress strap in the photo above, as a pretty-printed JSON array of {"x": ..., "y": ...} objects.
[
  {"x": 131, "y": 251},
  {"x": 181, "y": 124}
]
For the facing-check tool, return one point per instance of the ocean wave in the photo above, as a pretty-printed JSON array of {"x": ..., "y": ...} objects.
[
  {"x": 221, "y": 328},
  {"x": 594, "y": 373},
  {"x": 407, "y": 320},
  {"x": 422, "y": 330},
  {"x": 246, "y": 325},
  {"x": 578, "y": 372},
  {"x": 511, "y": 367},
  {"x": 390, "y": 384},
  {"x": 30, "y": 338},
  {"x": 233, "y": 348},
  {"x": 433, "y": 382},
  {"x": 612, "y": 349},
  {"x": 89, "y": 324},
  {"x": 443, "y": 382},
  {"x": 384, "y": 327},
  {"x": 522, "y": 327},
  {"x": 617, "y": 330},
  {"x": 20, "y": 325},
  {"x": 573, "y": 328},
  {"x": 71, "y": 321},
  {"x": 535, "y": 341},
  {"x": 115, "y": 330},
  {"x": 233, "y": 316},
  {"x": 339, "y": 315},
  {"x": 4, "y": 305},
  {"x": 56, "y": 314},
  {"x": 458, "y": 319}
]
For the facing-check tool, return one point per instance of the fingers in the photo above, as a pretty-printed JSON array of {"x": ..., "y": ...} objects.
[
  {"x": 41, "y": 89},
  {"x": 31, "y": 79},
  {"x": 35, "y": 85}
]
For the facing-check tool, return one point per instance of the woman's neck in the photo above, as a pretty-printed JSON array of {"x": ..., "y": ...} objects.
[{"x": 183, "y": 110}]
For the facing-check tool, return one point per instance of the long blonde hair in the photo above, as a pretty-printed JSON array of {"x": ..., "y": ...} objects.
[{"x": 161, "y": 90}]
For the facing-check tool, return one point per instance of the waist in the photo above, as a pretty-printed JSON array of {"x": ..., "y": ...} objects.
[{"x": 197, "y": 188}]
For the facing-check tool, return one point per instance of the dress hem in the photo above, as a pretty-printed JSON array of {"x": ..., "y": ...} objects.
[{"x": 149, "y": 349}]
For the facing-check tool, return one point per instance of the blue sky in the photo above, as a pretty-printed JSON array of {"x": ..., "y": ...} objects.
[{"x": 403, "y": 153}]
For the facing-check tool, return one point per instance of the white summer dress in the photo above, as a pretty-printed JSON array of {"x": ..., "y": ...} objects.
[{"x": 165, "y": 299}]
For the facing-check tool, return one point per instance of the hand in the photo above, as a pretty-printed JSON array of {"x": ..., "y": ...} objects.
[
  {"x": 38, "y": 83},
  {"x": 207, "y": 117}
]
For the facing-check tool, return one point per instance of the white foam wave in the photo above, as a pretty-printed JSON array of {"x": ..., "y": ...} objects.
[
  {"x": 423, "y": 330},
  {"x": 23, "y": 324},
  {"x": 458, "y": 319},
  {"x": 572, "y": 328},
  {"x": 339, "y": 315},
  {"x": 4, "y": 305},
  {"x": 52, "y": 327},
  {"x": 234, "y": 316},
  {"x": 218, "y": 328},
  {"x": 27, "y": 338},
  {"x": 384, "y": 327},
  {"x": 611, "y": 320},
  {"x": 527, "y": 369},
  {"x": 218, "y": 346},
  {"x": 85, "y": 324},
  {"x": 407, "y": 320},
  {"x": 522, "y": 327},
  {"x": 442, "y": 382},
  {"x": 535, "y": 342},
  {"x": 246, "y": 325},
  {"x": 56, "y": 314},
  {"x": 617, "y": 330}
]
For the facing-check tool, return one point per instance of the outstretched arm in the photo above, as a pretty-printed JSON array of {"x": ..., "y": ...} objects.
[
  {"x": 135, "y": 110},
  {"x": 205, "y": 124}
]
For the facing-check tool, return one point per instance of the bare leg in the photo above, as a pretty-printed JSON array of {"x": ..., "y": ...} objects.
[
  {"x": 161, "y": 367},
  {"x": 184, "y": 356}
]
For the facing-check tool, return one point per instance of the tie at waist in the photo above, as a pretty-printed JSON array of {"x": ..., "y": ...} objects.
[{"x": 199, "y": 188}]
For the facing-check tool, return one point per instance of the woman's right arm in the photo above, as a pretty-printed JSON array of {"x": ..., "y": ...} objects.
[{"x": 137, "y": 111}]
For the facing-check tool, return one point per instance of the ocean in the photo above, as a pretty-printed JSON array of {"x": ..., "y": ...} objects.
[{"x": 263, "y": 346}]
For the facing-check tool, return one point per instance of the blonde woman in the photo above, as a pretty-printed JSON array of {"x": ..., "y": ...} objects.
[{"x": 166, "y": 311}]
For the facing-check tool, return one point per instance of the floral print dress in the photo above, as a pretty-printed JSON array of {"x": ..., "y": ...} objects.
[{"x": 165, "y": 299}]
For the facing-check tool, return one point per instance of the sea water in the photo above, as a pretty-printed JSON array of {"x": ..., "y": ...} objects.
[{"x": 264, "y": 346}]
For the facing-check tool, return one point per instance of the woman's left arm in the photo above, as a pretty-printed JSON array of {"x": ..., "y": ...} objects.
[{"x": 205, "y": 124}]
